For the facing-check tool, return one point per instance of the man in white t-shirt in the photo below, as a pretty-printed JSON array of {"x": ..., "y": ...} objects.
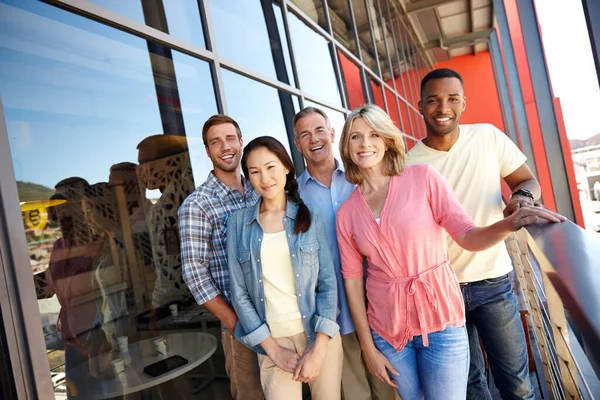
[{"x": 474, "y": 159}]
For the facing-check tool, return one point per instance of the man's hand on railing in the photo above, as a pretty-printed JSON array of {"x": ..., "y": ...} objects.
[
  {"x": 530, "y": 214},
  {"x": 516, "y": 202}
]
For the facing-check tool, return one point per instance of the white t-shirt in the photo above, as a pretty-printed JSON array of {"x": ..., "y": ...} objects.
[
  {"x": 279, "y": 282},
  {"x": 474, "y": 166}
]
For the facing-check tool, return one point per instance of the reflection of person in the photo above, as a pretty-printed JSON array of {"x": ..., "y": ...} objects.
[
  {"x": 69, "y": 273},
  {"x": 473, "y": 158},
  {"x": 283, "y": 284},
  {"x": 324, "y": 186},
  {"x": 202, "y": 225},
  {"x": 100, "y": 210},
  {"x": 396, "y": 218},
  {"x": 164, "y": 164}
]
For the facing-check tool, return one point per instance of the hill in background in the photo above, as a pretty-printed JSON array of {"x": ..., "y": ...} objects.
[{"x": 32, "y": 191}]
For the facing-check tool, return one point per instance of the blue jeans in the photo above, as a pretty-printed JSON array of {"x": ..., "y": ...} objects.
[
  {"x": 493, "y": 315},
  {"x": 438, "y": 371}
]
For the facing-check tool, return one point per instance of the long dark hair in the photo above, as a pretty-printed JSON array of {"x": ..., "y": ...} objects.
[{"x": 291, "y": 185}]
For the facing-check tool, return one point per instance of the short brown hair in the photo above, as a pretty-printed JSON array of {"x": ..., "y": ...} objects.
[
  {"x": 395, "y": 156},
  {"x": 305, "y": 112},
  {"x": 219, "y": 119}
]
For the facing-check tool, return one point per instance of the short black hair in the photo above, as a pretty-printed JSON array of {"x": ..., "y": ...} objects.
[{"x": 439, "y": 74}]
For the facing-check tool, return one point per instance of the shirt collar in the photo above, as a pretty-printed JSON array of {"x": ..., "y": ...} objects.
[
  {"x": 221, "y": 189},
  {"x": 291, "y": 210},
  {"x": 306, "y": 176}
]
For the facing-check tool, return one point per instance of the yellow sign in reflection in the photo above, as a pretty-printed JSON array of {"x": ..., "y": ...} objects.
[{"x": 35, "y": 213}]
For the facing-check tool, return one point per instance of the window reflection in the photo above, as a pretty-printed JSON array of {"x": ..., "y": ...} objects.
[
  {"x": 342, "y": 25},
  {"x": 353, "y": 81},
  {"x": 180, "y": 18},
  {"x": 284, "y": 43},
  {"x": 314, "y": 62},
  {"x": 376, "y": 93},
  {"x": 393, "y": 108},
  {"x": 257, "y": 108},
  {"x": 97, "y": 123},
  {"x": 407, "y": 126},
  {"x": 314, "y": 10},
  {"x": 241, "y": 34},
  {"x": 367, "y": 47}
]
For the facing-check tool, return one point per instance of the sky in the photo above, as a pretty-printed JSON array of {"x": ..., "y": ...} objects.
[{"x": 571, "y": 65}]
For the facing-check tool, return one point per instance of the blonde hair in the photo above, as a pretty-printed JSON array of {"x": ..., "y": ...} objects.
[{"x": 395, "y": 156}]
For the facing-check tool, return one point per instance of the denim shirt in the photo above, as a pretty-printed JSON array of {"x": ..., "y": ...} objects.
[{"x": 313, "y": 266}]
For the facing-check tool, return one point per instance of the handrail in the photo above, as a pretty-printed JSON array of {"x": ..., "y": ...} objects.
[
  {"x": 556, "y": 270},
  {"x": 574, "y": 255}
]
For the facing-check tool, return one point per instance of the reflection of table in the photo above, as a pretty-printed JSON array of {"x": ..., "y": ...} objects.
[{"x": 196, "y": 347}]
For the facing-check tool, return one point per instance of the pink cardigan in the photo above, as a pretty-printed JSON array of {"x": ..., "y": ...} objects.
[{"x": 411, "y": 288}]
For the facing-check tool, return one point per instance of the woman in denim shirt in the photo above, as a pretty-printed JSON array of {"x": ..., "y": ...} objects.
[{"x": 283, "y": 284}]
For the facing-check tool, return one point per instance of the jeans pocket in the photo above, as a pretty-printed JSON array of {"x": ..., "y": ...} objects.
[{"x": 495, "y": 281}]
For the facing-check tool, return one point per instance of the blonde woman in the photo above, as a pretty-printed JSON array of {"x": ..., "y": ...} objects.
[{"x": 412, "y": 335}]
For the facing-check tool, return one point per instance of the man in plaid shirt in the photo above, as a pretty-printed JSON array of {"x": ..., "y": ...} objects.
[{"x": 203, "y": 231}]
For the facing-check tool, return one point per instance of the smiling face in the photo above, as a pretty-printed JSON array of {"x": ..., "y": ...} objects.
[
  {"x": 442, "y": 103},
  {"x": 266, "y": 173},
  {"x": 366, "y": 147},
  {"x": 224, "y": 147},
  {"x": 314, "y": 138}
]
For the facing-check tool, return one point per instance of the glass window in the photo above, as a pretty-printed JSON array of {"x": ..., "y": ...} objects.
[
  {"x": 314, "y": 10},
  {"x": 393, "y": 108},
  {"x": 180, "y": 18},
  {"x": 256, "y": 107},
  {"x": 376, "y": 93},
  {"x": 407, "y": 57},
  {"x": 406, "y": 121},
  {"x": 365, "y": 36},
  {"x": 353, "y": 81},
  {"x": 341, "y": 22},
  {"x": 337, "y": 120},
  {"x": 284, "y": 44},
  {"x": 241, "y": 35},
  {"x": 98, "y": 130},
  {"x": 381, "y": 35},
  {"x": 314, "y": 62}
]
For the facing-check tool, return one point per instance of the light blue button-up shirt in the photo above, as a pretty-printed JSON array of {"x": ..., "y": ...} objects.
[{"x": 327, "y": 201}]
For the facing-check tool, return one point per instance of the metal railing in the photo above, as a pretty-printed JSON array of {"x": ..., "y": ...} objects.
[{"x": 558, "y": 270}]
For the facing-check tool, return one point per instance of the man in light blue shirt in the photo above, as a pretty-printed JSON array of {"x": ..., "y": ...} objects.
[{"x": 324, "y": 186}]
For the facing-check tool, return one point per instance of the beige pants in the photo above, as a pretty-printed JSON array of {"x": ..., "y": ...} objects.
[
  {"x": 278, "y": 384},
  {"x": 357, "y": 381},
  {"x": 241, "y": 365}
]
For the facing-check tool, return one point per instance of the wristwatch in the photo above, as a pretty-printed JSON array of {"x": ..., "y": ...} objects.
[{"x": 523, "y": 192}]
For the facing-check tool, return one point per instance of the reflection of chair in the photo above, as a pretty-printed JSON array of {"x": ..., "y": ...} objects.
[{"x": 165, "y": 165}]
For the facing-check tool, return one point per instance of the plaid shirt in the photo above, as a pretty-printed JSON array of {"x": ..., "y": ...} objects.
[{"x": 203, "y": 232}]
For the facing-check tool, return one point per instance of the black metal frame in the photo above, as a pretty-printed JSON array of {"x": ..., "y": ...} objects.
[
  {"x": 545, "y": 106},
  {"x": 518, "y": 103}
]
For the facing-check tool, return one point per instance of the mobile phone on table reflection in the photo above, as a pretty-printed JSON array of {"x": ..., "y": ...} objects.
[{"x": 164, "y": 366}]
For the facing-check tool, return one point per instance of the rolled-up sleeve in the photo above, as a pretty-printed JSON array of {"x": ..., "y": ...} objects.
[
  {"x": 195, "y": 232},
  {"x": 327, "y": 299},
  {"x": 250, "y": 330}
]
